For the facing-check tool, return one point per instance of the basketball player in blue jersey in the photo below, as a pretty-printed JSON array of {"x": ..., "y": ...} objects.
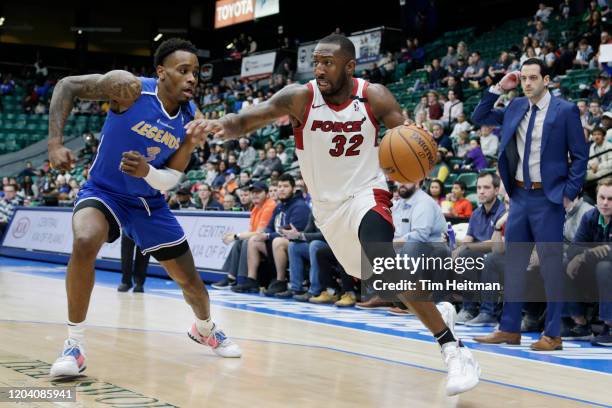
[
  {"x": 143, "y": 149},
  {"x": 336, "y": 119}
]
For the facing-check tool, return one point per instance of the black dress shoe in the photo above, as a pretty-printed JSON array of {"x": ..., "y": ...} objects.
[
  {"x": 138, "y": 289},
  {"x": 124, "y": 287}
]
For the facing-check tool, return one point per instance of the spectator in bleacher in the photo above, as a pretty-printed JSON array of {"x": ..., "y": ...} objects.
[
  {"x": 475, "y": 71},
  {"x": 565, "y": 9},
  {"x": 593, "y": 261},
  {"x": 265, "y": 168},
  {"x": 462, "y": 51},
  {"x": 421, "y": 106},
  {"x": 600, "y": 155},
  {"x": 418, "y": 53},
  {"x": 230, "y": 202},
  {"x": 594, "y": 29},
  {"x": 436, "y": 191},
  {"x": 212, "y": 171},
  {"x": 594, "y": 116},
  {"x": 303, "y": 247},
  {"x": 474, "y": 160},
  {"x": 441, "y": 138},
  {"x": 434, "y": 109},
  {"x": 436, "y": 73},
  {"x": 606, "y": 124},
  {"x": 529, "y": 53},
  {"x": 46, "y": 185},
  {"x": 291, "y": 210},
  {"x": 452, "y": 109},
  {"x": 8, "y": 85},
  {"x": 261, "y": 213},
  {"x": 462, "y": 125},
  {"x": 498, "y": 69},
  {"x": 540, "y": 34},
  {"x": 573, "y": 215},
  {"x": 244, "y": 199},
  {"x": 206, "y": 201},
  {"x": 477, "y": 242},
  {"x": 458, "y": 71},
  {"x": 28, "y": 188},
  {"x": 601, "y": 91},
  {"x": 583, "y": 109},
  {"x": 441, "y": 169},
  {"x": 455, "y": 86},
  {"x": 280, "y": 152},
  {"x": 8, "y": 202},
  {"x": 62, "y": 187},
  {"x": 583, "y": 54},
  {"x": 462, "y": 146},
  {"x": 548, "y": 56},
  {"x": 248, "y": 155},
  {"x": 27, "y": 171},
  {"x": 244, "y": 180},
  {"x": 74, "y": 189},
  {"x": 543, "y": 13},
  {"x": 181, "y": 200},
  {"x": 450, "y": 58},
  {"x": 460, "y": 207},
  {"x": 489, "y": 142}
]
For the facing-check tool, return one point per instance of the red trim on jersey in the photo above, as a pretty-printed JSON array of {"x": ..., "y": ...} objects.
[
  {"x": 383, "y": 204},
  {"x": 298, "y": 131},
  {"x": 369, "y": 111},
  {"x": 338, "y": 108}
]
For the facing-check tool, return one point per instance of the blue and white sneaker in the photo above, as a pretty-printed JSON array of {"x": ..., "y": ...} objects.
[
  {"x": 71, "y": 361},
  {"x": 217, "y": 340}
]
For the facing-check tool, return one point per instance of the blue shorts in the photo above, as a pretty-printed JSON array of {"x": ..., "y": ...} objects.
[{"x": 149, "y": 222}]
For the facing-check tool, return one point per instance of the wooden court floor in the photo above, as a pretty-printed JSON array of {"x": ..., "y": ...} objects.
[{"x": 139, "y": 356}]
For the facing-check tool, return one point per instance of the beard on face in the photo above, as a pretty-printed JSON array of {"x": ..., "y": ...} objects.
[{"x": 406, "y": 192}]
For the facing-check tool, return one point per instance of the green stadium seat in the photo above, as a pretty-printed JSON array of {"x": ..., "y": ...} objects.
[{"x": 469, "y": 179}]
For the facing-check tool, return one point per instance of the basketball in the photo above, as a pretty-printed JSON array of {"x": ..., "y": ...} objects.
[{"x": 407, "y": 154}]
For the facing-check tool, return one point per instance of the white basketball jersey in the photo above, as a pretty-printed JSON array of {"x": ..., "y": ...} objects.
[{"x": 337, "y": 146}]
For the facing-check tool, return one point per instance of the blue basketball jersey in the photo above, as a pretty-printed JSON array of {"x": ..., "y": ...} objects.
[{"x": 145, "y": 127}]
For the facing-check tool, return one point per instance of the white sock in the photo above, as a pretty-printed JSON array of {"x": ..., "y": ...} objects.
[
  {"x": 76, "y": 331},
  {"x": 204, "y": 326}
]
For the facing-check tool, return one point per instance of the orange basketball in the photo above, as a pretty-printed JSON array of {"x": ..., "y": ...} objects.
[{"x": 407, "y": 154}]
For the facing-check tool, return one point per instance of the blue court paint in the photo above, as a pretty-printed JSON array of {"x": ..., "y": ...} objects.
[{"x": 575, "y": 354}]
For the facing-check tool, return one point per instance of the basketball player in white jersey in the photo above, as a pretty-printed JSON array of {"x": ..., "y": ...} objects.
[{"x": 336, "y": 119}]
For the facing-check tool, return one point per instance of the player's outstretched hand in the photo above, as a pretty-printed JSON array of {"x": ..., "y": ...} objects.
[
  {"x": 510, "y": 81},
  {"x": 134, "y": 164},
  {"x": 61, "y": 158},
  {"x": 199, "y": 129}
]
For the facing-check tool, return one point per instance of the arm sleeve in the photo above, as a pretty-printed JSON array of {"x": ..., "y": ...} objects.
[
  {"x": 162, "y": 179},
  {"x": 485, "y": 114}
]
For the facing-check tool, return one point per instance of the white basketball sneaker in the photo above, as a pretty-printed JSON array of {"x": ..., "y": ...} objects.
[
  {"x": 463, "y": 369},
  {"x": 71, "y": 361},
  {"x": 217, "y": 340}
]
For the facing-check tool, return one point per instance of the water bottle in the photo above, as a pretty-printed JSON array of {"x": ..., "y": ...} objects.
[{"x": 451, "y": 236}]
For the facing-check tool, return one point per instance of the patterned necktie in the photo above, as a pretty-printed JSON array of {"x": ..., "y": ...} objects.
[{"x": 526, "y": 178}]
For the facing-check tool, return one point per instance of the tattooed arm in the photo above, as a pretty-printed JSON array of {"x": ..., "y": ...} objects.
[
  {"x": 291, "y": 100},
  {"x": 121, "y": 88}
]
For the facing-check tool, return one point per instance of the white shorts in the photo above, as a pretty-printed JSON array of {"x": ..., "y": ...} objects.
[{"x": 339, "y": 222}]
